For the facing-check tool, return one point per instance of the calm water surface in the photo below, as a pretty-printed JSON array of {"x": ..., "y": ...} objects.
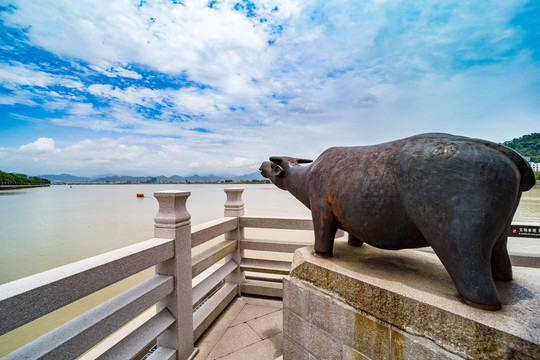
[{"x": 44, "y": 228}]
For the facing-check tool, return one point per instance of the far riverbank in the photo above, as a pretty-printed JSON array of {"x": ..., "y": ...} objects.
[{"x": 15, "y": 187}]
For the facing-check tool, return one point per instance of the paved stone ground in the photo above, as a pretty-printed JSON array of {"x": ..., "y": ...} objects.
[{"x": 250, "y": 328}]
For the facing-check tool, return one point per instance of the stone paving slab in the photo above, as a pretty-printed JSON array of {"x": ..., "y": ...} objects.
[
  {"x": 213, "y": 334},
  {"x": 249, "y": 328},
  {"x": 250, "y": 312},
  {"x": 268, "y": 349},
  {"x": 268, "y": 325},
  {"x": 261, "y": 301},
  {"x": 235, "y": 338}
]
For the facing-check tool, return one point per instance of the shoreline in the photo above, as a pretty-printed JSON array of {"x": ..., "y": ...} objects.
[
  {"x": 248, "y": 182},
  {"x": 15, "y": 187}
]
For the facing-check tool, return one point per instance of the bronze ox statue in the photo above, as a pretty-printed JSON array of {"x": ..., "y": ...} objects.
[{"x": 455, "y": 194}]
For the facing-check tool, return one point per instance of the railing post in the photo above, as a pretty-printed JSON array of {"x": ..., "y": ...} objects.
[
  {"x": 173, "y": 222},
  {"x": 234, "y": 207}
]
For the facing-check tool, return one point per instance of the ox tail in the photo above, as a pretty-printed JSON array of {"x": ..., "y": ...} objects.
[
  {"x": 525, "y": 170},
  {"x": 527, "y": 176}
]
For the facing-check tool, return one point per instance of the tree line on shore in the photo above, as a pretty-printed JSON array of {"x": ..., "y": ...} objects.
[
  {"x": 20, "y": 179},
  {"x": 527, "y": 145}
]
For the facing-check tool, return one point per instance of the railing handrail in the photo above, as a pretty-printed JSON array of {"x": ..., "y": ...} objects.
[
  {"x": 80, "y": 334},
  {"x": 34, "y": 296},
  {"x": 211, "y": 229},
  {"x": 273, "y": 222}
]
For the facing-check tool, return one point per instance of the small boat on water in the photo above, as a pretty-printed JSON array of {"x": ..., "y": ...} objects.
[{"x": 140, "y": 195}]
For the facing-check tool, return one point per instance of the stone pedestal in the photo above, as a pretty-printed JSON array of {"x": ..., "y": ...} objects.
[{"x": 367, "y": 303}]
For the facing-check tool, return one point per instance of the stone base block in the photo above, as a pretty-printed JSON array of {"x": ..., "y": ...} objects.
[{"x": 367, "y": 303}]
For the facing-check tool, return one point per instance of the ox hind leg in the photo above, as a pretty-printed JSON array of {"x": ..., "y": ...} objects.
[
  {"x": 463, "y": 238},
  {"x": 500, "y": 261},
  {"x": 468, "y": 264},
  {"x": 466, "y": 231},
  {"x": 501, "y": 267}
]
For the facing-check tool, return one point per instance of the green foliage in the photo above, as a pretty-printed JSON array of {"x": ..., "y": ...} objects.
[
  {"x": 254, "y": 181},
  {"x": 527, "y": 145},
  {"x": 20, "y": 179},
  {"x": 537, "y": 175}
]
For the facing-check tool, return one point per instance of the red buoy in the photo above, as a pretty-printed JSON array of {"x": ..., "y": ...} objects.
[{"x": 140, "y": 195}]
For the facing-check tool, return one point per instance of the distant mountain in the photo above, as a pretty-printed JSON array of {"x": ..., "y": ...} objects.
[
  {"x": 65, "y": 178},
  {"x": 248, "y": 177},
  {"x": 95, "y": 177},
  {"x": 176, "y": 178},
  {"x": 115, "y": 178},
  {"x": 206, "y": 178},
  {"x": 150, "y": 179}
]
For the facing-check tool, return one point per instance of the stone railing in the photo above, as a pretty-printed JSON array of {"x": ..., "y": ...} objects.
[
  {"x": 188, "y": 291},
  {"x": 211, "y": 278}
]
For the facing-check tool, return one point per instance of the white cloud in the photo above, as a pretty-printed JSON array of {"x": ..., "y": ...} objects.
[
  {"x": 20, "y": 74},
  {"x": 240, "y": 164},
  {"x": 116, "y": 71},
  {"x": 41, "y": 145},
  {"x": 366, "y": 44},
  {"x": 313, "y": 75},
  {"x": 213, "y": 46},
  {"x": 102, "y": 152},
  {"x": 21, "y": 97},
  {"x": 131, "y": 95}
]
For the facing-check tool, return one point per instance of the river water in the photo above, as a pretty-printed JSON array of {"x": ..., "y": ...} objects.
[
  {"x": 44, "y": 228},
  {"x": 47, "y": 227}
]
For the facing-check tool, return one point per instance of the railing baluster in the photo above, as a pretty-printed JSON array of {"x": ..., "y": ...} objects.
[
  {"x": 234, "y": 206},
  {"x": 173, "y": 221}
]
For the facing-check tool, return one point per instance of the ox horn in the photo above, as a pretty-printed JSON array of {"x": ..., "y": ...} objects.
[{"x": 276, "y": 159}]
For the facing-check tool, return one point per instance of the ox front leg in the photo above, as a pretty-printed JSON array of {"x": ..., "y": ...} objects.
[
  {"x": 354, "y": 241},
  {"x": 325, "y": 227}
]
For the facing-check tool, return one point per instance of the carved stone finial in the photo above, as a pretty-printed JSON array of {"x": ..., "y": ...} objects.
[
  {"x": 234, "y": 206},
  {"x": 172, "y": 211}
]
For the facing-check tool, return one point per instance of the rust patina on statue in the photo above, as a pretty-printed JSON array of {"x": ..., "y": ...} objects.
[{"x": 455, "y": 194}]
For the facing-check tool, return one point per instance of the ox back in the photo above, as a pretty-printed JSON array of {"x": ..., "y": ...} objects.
[{"x": 398, "y": 194}]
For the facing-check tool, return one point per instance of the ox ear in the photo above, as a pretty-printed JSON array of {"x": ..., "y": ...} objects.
[
  {"x": 276, "y": 160},
  {"x": 303, "y": 161},
  {"x": 277, "y": 170}
]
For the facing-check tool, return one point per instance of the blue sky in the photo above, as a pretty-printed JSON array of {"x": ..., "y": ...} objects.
[{"x": 183, "y": 87}]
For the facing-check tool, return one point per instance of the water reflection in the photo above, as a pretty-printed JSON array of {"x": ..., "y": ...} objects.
[{"x": 10, "y": 192}]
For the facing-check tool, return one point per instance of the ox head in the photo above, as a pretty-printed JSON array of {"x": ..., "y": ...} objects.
[{"x": 277, "y": 168}]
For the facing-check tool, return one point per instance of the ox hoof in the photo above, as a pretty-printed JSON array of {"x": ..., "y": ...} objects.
[
  {"x": 490, "y": 307},
  {"x": 324, "y": 255},
  {"x": 502, "y": 278},
  {"x": 354, "y": 241}
]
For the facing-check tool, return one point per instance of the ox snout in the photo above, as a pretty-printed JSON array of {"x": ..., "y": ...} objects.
[{"x": 266, "y": 169}]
